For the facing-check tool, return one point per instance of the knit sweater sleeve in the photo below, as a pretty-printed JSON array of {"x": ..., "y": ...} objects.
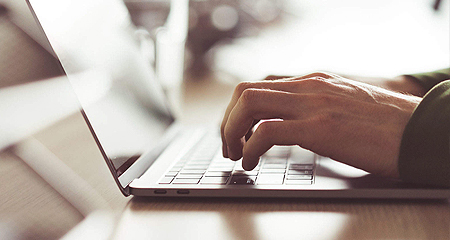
[
  {"x": 425, "y": 148},
  {"x": 430, "y": 79}
]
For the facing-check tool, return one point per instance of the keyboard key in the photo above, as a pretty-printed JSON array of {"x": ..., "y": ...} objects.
[
  {"x": 189, "y": 176},
  {"x": 300, "y": 172},
  {"x": 166, "y": 180},
  {"x": 197, "y": 172},
  {"x": 198, "y": 162},
  {"x": 301, "y": 155},
  {"x": 171, "y": 174},
  {"x": 278, "y": 151},
  {"x": 195, "y": 167},
  {"x": 185, "y": 181},
  {"x": 240, "y": 169},
  {"x": 299, "y": 177},
  {"x": 202, "y": 157},
  {"x": 270, "y": 179},
  {"x": 221, "y": 165},
  {"x": 229, "y": 169},
  {"x": 218, "y": 174},
  {"x": 273, "y": 170},
  {"x": 220, "y": 159},
  {"x": 297, "y": 182},
  {"x": 274, "y": 166},
  {"x": 245, "y": 173},
  {"x": 243, "y": 180},
  {"x": 275, "y": 160},
  {"x": 214, "y": 180},
  {"x": 297, "y": 166}
]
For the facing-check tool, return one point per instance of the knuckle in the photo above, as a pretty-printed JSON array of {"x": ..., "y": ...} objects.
[
  {"x": 323, "y": 74},
  {"x": 241, "y": 87},
  {"x": 248, "y": 96},
  {"x": 318, "y": 83},
  {"x": 313, "y": 83},
  {"x": 265, "y": 129}
]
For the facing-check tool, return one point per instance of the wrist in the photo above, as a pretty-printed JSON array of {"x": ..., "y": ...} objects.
[{"x": 406, "y": 84}]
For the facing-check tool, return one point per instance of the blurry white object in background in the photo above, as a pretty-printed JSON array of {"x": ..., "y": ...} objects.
[
  {"x": 170, "y": 44},
  {"x": 147, "y": 45},
  {"x": 97, "y": 226},
  {"x": 370, "y": 38},
  {"x": 224, "y": 17},
  {"x": 170, "y": 47},
  {"x": 28, "y": 108}
]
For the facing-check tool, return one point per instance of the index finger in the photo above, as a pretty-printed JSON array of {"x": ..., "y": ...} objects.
[{"x": 240, "y": 88}]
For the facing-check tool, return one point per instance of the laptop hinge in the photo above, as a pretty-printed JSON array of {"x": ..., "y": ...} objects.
[{"x": 146, "y": 160}]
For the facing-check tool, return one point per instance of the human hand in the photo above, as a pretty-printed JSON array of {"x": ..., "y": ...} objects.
[{"x": 348, "y": 121}]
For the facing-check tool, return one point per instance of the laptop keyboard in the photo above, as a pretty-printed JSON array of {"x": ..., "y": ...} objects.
[{"x": 204, "y": 164}]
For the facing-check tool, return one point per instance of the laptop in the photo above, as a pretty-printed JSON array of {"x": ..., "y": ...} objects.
[{"x": 148, "y": 151}]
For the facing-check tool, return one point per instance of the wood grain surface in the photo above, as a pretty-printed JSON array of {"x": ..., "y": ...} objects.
[{"x": 284, "y": 219}]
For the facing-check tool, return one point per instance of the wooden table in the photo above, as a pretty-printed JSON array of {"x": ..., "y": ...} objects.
[{"x": 284, "y": 219}]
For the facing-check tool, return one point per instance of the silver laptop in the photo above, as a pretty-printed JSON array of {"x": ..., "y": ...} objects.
[{"x": 147, "y": 151}]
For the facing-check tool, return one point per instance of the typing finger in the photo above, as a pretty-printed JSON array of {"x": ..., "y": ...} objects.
[
  {"x": 274, "y": 85},
  {"x": 255, "y": 104}
]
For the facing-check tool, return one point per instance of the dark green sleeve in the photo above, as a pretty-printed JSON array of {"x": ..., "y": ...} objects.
[
  {"x": 430, "y": 79},
  {"x": 425, "y": 148}
]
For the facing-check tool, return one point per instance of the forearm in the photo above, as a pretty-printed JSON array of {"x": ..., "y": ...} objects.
[{"x": 416, "y": 84}]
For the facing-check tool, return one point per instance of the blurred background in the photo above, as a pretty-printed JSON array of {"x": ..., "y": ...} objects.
[{"x": 177, "y": 45}]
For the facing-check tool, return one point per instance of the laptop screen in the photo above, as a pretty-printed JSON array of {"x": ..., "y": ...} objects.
[{"x": 115, "y": 83}]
